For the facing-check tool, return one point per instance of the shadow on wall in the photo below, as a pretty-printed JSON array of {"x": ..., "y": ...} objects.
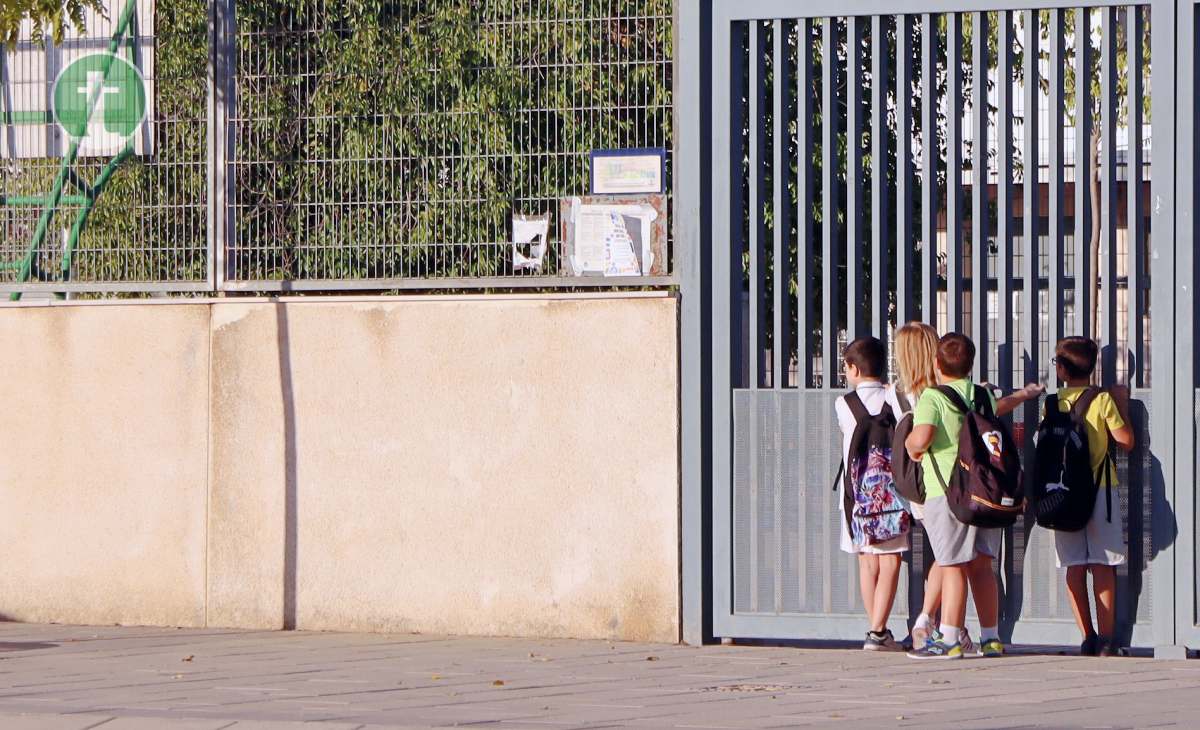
[{"x": 289, "y": 459}]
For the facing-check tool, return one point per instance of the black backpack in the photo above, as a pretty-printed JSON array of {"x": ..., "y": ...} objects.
[
  {"x": 1063, "y": 492},
  {"x": 985, "y": 487},
  {"x": 906, "y": 473},
  {"x": 875, "y": 513}
]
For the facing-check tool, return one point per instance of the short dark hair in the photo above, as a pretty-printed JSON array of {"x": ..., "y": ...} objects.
[
  {"x": 955, "y": 355},
  {"x": 868, "y": 355},
  {"x": 1077, "y": 356}
]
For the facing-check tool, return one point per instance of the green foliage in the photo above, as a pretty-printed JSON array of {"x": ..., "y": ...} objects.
[{"x": 53, "y": 16}]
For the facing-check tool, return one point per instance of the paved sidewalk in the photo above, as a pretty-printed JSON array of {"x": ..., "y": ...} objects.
[{"x": 68, "y": 678}]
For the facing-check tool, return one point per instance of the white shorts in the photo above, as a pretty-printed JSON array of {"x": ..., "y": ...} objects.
[
  {"x": 1100, "y": 543},
  {"x": 953, "y": 542},
  {"x": 895, "y": 545}
]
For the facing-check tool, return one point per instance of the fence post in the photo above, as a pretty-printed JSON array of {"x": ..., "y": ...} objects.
[
  {"x": 221, "y": 25},
  {"x": 692, "y": 191}
]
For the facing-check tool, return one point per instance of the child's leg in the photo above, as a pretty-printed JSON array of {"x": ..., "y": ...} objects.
[
  {"x": 1104, "y": 583},
  {"x": 933, "y": 590},
  {"x": 1080, "y": 605},
  {"x": 885, "y": 589},
  {"x": 954, "y": 599},
  {"x": 868, "y": 576},
  {"x": 985, "y": 590}
]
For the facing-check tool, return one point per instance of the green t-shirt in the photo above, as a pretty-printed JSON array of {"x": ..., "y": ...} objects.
[{"x": 935, "y": 409}]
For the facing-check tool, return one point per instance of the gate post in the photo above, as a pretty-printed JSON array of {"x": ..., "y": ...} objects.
[
  {"x": 691, "y": 182},
  {"x": 1171, "y": 417}
]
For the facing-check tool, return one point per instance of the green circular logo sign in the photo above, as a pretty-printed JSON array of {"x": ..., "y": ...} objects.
[{"x": 100, "y": 100}]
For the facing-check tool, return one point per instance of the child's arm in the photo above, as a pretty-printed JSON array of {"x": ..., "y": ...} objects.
[
  {"x": 919, "y": 441},
  {"x": 1009, "y": 403},
  {"x": 1123, "y": 436}
]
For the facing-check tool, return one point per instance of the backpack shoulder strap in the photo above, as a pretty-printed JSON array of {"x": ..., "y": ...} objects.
[
  {"x": 1051, "y": 404},
  {"x": 1086, "y": 398},
  {"x": 983, "y": 402},
  {"x": 955, "y": 399},
  {"x": 857, "y": 409}
]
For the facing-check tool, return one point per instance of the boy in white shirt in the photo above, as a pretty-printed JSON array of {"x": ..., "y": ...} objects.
[{"x": 879, "y": 563}]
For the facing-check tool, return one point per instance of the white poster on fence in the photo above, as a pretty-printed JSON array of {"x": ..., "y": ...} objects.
[{"x": 612, "y": 240}]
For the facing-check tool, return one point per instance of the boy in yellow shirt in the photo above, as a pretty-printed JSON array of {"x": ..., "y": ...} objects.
[{"x": 1099, "y": 547}]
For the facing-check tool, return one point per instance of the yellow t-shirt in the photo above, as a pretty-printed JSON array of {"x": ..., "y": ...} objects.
[{"x": 1102, "y": 417}]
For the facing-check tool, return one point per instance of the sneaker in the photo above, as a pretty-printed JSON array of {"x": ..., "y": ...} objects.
[
  {"x": 1090, "y": 646},
  {"x": 937, "y": 650},
  {"x": 991, "y": 648},
  {"x": 881, "y": 641},
  {"x": 922, "y": 635}
]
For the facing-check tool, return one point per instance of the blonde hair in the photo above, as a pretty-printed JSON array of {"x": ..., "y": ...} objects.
[{"x": 916, "y": 353}]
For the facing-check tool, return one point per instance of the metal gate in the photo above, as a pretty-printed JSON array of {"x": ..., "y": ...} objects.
[{"x": 985, "y": 169}]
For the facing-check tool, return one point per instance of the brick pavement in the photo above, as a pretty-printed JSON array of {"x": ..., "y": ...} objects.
[{"x": 71, "y": 678}]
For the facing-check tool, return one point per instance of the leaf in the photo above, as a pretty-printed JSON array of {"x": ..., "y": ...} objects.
[
  {"x": 498, "y": 683},
  {"x": 651, "y": 658},
  {"x": 188, "y": 658}
]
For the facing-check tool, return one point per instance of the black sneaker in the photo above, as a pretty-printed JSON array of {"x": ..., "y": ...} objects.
[
  {"x": 1106, "y": 647},
  {"x": 1090, "y": 645},
  {"x": 881, "y": 641}
]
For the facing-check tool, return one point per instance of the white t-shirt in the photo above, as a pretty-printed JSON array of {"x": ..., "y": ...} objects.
[{"x": 874, "y": 396}]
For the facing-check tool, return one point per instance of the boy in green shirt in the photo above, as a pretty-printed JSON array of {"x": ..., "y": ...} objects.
[{"x": 965, "y": 552}]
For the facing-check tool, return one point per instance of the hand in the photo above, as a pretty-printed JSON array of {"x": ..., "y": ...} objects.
[{"x": 1031, "y": 391}]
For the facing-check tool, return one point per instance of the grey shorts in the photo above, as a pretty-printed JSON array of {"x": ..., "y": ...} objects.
[
  {"x": 953, "y": 542},
  {"x": 1100, "y": 543}
]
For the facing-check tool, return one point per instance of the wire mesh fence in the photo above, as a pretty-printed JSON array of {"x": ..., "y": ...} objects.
[{"x": 326, "y": 143}]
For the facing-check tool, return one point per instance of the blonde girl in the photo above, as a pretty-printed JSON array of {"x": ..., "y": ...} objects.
[{"x": 916, "y": 353}]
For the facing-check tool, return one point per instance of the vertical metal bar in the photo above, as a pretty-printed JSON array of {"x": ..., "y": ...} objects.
[
  {"x": 879, "y": 148},
  {"x": 805, "y": 110},
  {"x": 1054, "y": 299},
  {"x": 221, "y": 80},
  {"x": 736, "y": 118},
  {"x": 929, "y": 197},
  {"x": 213, "y": 220},
  {"x": 757, "y": 223},
  {"x": 905, "y": 240},
  {"x": 728, "y": 154},
  {"x": 781, "y": 345},
  {"x": 854, "y": 176},
  {"x": 1172, "y": 418},
  {"x": 1083, "y": 172},
  {"x": 693, "y": 238},
  {"x": 1185, "y": 134},
  {"x": 1135, "y": 272},
  {"x": 1108, "y": 192},
  {"x": 1031, "y": 215},
  {"x": 954, "y": 216},
  {"x": 757, "y": 266},
  {"x": 1004, "y": 201},
  {"x": 830, "y": 251},
  {"x": 979, "y": 185}
]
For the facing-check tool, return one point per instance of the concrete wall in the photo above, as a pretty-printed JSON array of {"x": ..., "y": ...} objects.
[{"x": 476, "y": 466}]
